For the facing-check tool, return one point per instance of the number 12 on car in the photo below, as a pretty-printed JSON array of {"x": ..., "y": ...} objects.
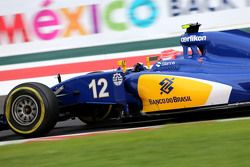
[{"x": 103, "y": 83}]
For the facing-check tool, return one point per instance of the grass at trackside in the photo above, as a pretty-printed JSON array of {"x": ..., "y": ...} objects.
[{"x": 187, "y": 145}]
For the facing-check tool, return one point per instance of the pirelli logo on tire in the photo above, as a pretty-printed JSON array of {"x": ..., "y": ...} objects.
[{"x": 161, "y": 92}]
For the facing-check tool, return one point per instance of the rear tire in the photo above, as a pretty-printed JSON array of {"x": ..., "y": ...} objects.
[{"x": 31, "y": 109}]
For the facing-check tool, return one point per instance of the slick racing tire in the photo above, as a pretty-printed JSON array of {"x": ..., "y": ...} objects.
[{"x": 31, "y": 109}]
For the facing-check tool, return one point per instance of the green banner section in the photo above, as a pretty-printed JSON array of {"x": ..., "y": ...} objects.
[{"x": 93, "y": 51}]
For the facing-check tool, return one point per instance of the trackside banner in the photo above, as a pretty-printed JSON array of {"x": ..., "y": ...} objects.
[{"x": 30, "y": 26}]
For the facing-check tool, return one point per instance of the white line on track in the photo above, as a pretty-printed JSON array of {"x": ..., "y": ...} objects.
[
  {"x": 63, "y": 137},
  {"x": 232, "y": 119}
]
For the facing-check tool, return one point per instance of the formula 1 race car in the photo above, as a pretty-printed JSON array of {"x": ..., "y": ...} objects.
[{"x": 213, "y": 72}]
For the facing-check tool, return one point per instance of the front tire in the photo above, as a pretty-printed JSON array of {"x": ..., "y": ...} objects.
[{"x": 31, "y": 109}]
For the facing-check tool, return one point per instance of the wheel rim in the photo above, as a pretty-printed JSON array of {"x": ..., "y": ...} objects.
[{"x": 25, "y": 110}]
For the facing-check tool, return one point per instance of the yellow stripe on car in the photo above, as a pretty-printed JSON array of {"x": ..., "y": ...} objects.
[{"x": 163, "y": 92}]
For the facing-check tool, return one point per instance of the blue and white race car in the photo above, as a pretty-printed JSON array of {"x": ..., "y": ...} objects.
[{"x": 212, "y": 73}]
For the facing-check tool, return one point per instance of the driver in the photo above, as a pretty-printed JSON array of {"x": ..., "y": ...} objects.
[{"x": 138, "y": 67}]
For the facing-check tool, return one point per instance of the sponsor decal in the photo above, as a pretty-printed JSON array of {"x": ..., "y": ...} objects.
[
  {"x": 168, "y": 63},
  {"x": 117, "y": 79},
  {"x": 169, "y": 100},
  {"x": 194, "y": 38},
  {"x": 166, "y": 85},
  {"x": 158, "y": 64},
  {"x": 163, "y": 92}
]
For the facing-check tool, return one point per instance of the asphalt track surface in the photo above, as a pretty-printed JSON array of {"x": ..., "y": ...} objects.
[
  {"x": 2, "y": 98},
  {"x": 76, "y": 126}
]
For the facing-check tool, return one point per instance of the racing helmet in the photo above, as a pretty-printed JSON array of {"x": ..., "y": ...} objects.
[{"x": 138, "y": 67}]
